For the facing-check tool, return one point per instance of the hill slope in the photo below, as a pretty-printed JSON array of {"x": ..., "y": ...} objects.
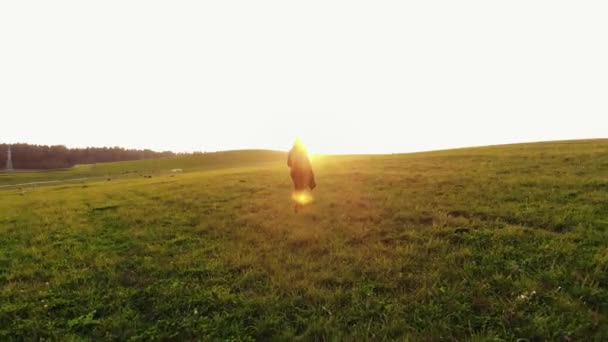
[
  {"x": 500, "y": 242},
  {"x": 189, "y": 163}
]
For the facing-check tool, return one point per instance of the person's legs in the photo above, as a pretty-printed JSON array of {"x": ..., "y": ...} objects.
[{"x": 298, "y": 187}]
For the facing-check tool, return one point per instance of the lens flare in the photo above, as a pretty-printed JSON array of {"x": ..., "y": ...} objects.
[{"x": 302, "y": 198}]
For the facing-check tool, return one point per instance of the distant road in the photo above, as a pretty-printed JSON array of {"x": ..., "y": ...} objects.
[{"x": 44, "y": 182}]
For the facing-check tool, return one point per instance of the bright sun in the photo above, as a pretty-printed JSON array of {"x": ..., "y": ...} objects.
[{"x": 311, "y": 148}]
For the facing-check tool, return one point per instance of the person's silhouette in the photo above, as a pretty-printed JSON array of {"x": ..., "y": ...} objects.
[{"x": 302, "y": 174}]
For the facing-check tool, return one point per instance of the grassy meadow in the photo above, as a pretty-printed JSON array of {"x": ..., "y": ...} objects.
[
  {"x": 142, "y": 168},
  {"x": 493, "y": 243}
]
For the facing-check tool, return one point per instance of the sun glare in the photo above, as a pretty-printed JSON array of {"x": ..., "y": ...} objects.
[
  {"x": 302, "y": 198},
  {"x": 310, "y": 151}
]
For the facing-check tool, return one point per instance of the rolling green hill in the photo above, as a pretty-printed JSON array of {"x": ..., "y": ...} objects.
[
  {"x": 188, "y": 163},
  {"x": 491, "y": 243}
]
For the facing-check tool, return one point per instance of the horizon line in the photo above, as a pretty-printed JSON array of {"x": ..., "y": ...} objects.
[{"x": 446, "y": 148}]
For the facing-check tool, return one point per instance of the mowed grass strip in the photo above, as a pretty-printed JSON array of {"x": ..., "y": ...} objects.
[{"x": 494, "y": 243}]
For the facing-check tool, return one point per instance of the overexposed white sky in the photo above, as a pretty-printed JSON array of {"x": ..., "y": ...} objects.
[{"x": 346, "y": 76}]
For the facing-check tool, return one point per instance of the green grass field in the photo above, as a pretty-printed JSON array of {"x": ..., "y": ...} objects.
[
  {"x": 493, "y": 243},
  {"x": 208, "y": 161}
]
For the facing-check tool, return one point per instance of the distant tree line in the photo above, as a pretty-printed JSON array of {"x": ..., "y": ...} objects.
[{"x": 26, "y": 156}]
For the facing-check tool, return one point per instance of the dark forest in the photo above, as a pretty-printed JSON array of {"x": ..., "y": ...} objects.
[{"x": 26, "y": 156}]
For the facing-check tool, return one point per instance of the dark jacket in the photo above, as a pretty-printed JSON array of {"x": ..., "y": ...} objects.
[{"x": 301, "y": 169}]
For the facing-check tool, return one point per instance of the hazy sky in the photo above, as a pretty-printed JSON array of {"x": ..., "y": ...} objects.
[{"x": 351, "y": 76}]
